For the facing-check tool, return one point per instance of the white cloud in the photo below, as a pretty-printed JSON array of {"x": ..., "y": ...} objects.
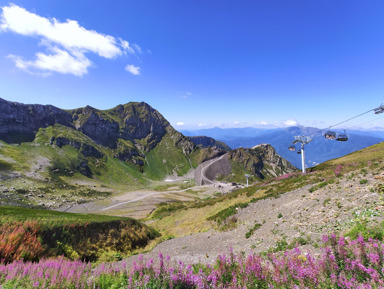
[
  {"x": 135, "y": 70},
  {"x": 180, "y": 123},
  {"x": 262, "y": 122},
  {"x": 290, "y": 122},
  {"x": 236, "y": 122},
  {"x": 126, "y": 46},
  {"x": 68, "y": 40},
  {"x": 200, "y": 125},
  {"x": 60, "y": 61}
]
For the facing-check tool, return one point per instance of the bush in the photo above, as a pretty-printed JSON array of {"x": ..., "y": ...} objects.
[
  {"x": 19, "y": 241},
  {"x": 252, "y": 230},
  {"x": 366, "y": 231},
  {"x": 221, "y": 216}
]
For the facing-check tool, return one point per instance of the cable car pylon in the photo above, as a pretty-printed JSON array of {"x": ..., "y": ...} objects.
[{"x": 303, "y": 140}]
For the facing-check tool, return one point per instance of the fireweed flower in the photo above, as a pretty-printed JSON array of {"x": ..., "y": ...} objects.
[{"x": 347, "y": 264}]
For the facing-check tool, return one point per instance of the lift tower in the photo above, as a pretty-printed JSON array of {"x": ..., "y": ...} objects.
[{"x": 303, "y": 140}]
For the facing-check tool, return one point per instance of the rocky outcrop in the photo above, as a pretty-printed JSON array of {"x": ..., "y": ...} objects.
[
  {"x": 141, "y": 121},
  {"x": 86, "y": 149},
  {"x": 96, "y": 125},
  {"x": 20, "y": 122},
  {"x": 261, "y": 160}
]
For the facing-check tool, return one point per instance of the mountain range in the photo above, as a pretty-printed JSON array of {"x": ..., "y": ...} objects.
[
  {"x": 45, "y": 149},
  {"x": 317, "y": 151}
]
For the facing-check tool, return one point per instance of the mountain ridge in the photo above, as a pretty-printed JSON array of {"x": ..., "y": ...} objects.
[{"x": 125, "y": 147}]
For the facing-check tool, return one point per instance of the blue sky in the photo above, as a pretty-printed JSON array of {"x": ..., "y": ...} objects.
[{"x": 200, "y": 63}]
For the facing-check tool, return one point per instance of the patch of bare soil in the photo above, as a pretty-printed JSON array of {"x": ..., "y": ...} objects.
[
  {"x": 38, "y": 167},
  {"x": 296, "y": 214}
]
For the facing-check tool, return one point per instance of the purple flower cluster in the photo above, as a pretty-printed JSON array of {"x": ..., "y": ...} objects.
[
  {"x": 343, "y": 264},
  {"x": 286, "y": 176},
  {"x": 50, "y": 273},
  {"x": 338, "y": 170}
]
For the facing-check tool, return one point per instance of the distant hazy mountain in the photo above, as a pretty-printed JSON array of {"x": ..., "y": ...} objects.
[
  {"x": 317, "y": 151},
  {"x": 226, "y": 133}
]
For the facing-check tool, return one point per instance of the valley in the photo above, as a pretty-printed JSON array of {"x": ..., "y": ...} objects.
[{"x": 112, "y": 194}]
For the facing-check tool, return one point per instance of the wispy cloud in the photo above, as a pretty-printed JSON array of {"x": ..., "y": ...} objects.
[
  {"x": 135, "y": 70},
  {"x": 180, "y": 123},
  {"x": 66, "y": 42},
  {"x": 184, "y": 94}
]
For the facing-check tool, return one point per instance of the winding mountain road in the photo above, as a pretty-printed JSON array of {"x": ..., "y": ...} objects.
[{"x": 206, "y": 172}]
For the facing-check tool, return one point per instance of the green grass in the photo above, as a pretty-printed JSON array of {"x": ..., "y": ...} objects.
[
  {"x": 320, "y": 185},
  {"x": 76, "y": 236},
  {"x": 46, "y": 218},
  {"x": 165, "y": 209},
  {"x": 166, "y": 159},
  {"x": 221, "y": 216},
  {"x": 367, "y": 230},
  {"x": 252, "y": 230},
  {"x": 5, "y": 165}
]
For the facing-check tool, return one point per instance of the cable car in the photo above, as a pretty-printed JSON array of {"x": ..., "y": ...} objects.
[
  {"x": 330, "y": 135},
  {"x": 299, "y": 152},
  {"x": 292, "y": 148},
  {"x": 342, "y": 137},
  {"x": 379, "y": 110}
]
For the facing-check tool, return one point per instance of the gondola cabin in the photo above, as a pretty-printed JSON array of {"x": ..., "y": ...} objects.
[
  {"x": 330, "y": 135},
  {"x": 342, "y": 137},
  {"x": 292, "y": 148}
]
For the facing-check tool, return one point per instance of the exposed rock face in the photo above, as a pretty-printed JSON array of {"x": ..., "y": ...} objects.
[
  {"x": 85, "y": 149},
  {"x": 261, "y": 160},
  {"x": 133, "y": 121},
  {"x": 205, "y": 142},
  {"x": 138, "y": 123},
  {"x": 101, "y": 129},
  {"x": 141, "y": 121},
  {"x": 20, "y": 122}
]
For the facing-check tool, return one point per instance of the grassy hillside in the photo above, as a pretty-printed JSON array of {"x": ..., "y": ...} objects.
[
  {"x": 32, "y": 234},
  {"x": 37, "y": 173},
  {"x": 68, "y": 167},
  {"x": 217, "y": 211},
  {"x": 165, "y": 159}
]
